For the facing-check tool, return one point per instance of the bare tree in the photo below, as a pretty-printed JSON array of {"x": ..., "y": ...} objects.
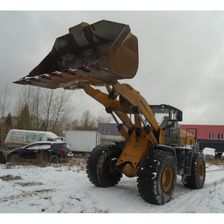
[
  {"x": 32, "y": 97},
  {"x": 4, "y": 101},
  {"x": 24, "y": 118},
  {"x": 47, "y": 108},
  {"x": 24, "y": 98},
  {"x": 4, "y": 104},
  {"x": 8, "y": 121},
  {"x": 37, "y": 106},
  {"x": 61, "y": 108},
  {"x": 88, "y": 121},
  {"x": 55, "y": 108},
  {"x": 103, "y": 119},
  {"x": 47, "y": 102},
  {"x": 72, "y": 124}
]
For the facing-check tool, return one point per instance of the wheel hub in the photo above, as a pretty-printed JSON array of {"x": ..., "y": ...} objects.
[
  {"x": 167, "y": 179},
  {"x": 201, "y": 171}
]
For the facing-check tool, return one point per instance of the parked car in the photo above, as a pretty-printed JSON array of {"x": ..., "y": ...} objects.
[
  {"x": 18, "y": 138},
  {"x": 57, "y": 151}
]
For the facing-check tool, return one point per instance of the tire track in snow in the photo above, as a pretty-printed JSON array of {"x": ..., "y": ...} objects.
[
  {"x": 215, "y": 183},
  {"x": 25, "y": 194},
  {"x": 216, "y": 170},
  {"x": 181, "y": 190}
]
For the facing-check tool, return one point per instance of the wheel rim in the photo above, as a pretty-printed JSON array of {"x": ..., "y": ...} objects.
[
  {"x": 167, "y": 179},
  {"x": 54, "y": 159},
  {"x": 14, "y": 158},
  {"x": 201, "y": 171}
]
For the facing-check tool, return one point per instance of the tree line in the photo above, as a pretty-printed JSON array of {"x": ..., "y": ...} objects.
[{"x": 43, "y": 109}]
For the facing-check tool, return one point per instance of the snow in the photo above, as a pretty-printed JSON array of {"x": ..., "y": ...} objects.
[
  {"x": 66, "y": 189},
  {"x": 57, "y": 72},
  {"x": 73, "y": 70},
  {"x": 154, "y": 175},
  {"x": 209, "y": 151}
]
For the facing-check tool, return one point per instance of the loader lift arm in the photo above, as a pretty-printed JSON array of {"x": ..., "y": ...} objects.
[{"x": 139, "y": 133}]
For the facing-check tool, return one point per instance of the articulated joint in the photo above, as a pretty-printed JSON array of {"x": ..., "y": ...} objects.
[
  {"x": 147, "y": 129},
  {"x": 120, "y": 167},
  {"x": 127, "y": 169},
  {"x": 112, "y": 95}
]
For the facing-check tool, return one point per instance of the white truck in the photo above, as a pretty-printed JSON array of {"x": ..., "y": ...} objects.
[
  {"x": 18, "y": 137},
  {"x": 81, "y": 140}
]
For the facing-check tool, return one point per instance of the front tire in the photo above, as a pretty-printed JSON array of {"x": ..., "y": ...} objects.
[
  {"x": 157, "y": 177},
  {"x": 100, "y": 166},
  {"x": 197, "y": 178}
]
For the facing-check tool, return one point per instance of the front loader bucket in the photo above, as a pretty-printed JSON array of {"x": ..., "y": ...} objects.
[{"x": 103, "y": 52}]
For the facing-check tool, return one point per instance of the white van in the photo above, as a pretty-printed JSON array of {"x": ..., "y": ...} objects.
[{"x": 17, "y": 137}]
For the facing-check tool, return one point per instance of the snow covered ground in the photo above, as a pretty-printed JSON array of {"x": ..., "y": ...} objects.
[{"x": 66, "y": 189}]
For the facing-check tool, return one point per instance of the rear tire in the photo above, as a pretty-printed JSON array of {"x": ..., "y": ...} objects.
[
  {"x": 2, "y": 158},
  {"x": 54, "y": 159},
  {"x": 157, "y": 177},
  {"x": 197, "y": 178},
  {"x": 100, "y": 166},
  {"x": 14, "y": 158}
]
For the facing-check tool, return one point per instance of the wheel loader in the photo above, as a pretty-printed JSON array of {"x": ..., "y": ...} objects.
[{"x": 95, "y": 57}]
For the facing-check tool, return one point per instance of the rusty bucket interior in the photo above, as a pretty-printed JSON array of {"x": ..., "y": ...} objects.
[{"x": 103, "y": 52}]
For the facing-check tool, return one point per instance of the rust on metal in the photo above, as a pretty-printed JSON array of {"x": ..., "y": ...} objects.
[{"x": 103, "y": 52}]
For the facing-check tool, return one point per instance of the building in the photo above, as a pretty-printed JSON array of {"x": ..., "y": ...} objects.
[
  {"x": 107, "y": 133},
  {"x": 205, "y": 132}
]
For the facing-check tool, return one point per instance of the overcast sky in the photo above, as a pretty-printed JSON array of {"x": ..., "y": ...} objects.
[{"x": 181, "y": 56}]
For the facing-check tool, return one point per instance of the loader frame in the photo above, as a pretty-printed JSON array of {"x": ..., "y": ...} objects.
[{"x": 139, "y": 128}]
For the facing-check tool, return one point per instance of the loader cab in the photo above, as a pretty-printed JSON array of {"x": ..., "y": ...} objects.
[{"x": 168, "y": 116}]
